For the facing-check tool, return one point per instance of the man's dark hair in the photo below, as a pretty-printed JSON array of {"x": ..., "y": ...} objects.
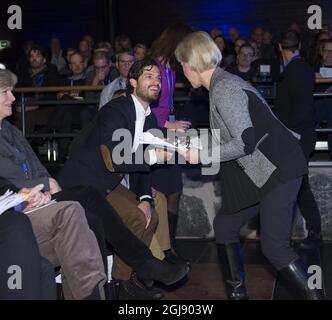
[
  {"x": 137, "y": 70},
  {"x": 41, "y": 50},
  {"x": 290, "y": 40},
  {"x": 247, "y": 45}
]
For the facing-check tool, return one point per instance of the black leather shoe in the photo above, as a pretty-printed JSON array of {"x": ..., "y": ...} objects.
[
  {"x": 172, "y": 257},
  {"x": 313, "y": 241},
  {"x": 233, "y": 272},
  {"x": 296, "y": 277},
  {"x": 133, "y": 289},
  {"x": 162, "y": 271}
]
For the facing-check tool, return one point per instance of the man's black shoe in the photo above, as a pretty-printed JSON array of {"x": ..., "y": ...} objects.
[
  {"x": 312, "y": 241},
  {"x": 162, "y": 271},
  {"x": 172, "y": 257},
  {"x": 133, "y": 289}
]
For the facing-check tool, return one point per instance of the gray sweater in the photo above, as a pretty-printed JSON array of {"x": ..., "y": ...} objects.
[
  {"x": 235, "y": 135},
  {"x": 18, "y": 162}
]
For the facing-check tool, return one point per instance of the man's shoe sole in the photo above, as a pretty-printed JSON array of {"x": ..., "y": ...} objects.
[{"x": 179, "y": 277}]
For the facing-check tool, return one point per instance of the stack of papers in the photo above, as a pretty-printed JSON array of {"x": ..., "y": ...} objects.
[
  {"x": 10, "y": 200},
  {"x": 183, "y": 143}
]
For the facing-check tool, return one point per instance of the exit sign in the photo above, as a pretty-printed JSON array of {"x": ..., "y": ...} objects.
[{"x": 4, "y": 44}]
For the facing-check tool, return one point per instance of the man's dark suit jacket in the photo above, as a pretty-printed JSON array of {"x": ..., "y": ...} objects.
[
  {"x": 90, "y": 161},
  {"x": 294, "y": 104}
]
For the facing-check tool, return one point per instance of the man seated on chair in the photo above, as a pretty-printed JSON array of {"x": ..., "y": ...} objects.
[
  {"x": 20, "y": 165},
  {"x": 93, "y": 162}
]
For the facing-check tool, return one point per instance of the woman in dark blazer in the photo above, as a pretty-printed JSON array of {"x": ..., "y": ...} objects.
[{"x": 261, "y": 165}]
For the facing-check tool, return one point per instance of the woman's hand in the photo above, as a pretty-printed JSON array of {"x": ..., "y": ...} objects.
[
  {"x": 178, "y": 125},
  {"x": 35, "y": 197}
]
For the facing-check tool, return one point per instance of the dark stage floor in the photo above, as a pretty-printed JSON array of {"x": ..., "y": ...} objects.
[{"x": 205, "y": 279}]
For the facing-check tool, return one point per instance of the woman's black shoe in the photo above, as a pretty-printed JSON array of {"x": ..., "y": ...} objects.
[
  {"x": 296, "y": 276},
  {"x": 230, "y": 256}
]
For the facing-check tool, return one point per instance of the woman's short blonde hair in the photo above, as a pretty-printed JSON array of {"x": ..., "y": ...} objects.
[
  {"x": 7, "y": 79},
  {"x": 199, "y": 51}
]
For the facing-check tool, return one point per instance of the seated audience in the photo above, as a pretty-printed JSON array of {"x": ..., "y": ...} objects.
[
  {"x": 19, "y": 164},
  {"x": 57, "y": 57},
  {"x": 124, "y": 61},
  {"x": 122, "y": 42},
  {"x": 243, "y": 67},
  {"x": 140, "y": 50},
  {"x": 40, "y": 74},
  {"x": 216, "y": 32},
  {"x": 221, "y": 44},
  {"x": 103, "y": 73}
]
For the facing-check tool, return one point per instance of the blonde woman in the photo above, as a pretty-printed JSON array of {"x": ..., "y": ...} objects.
[{"x": 262, "y": 166}]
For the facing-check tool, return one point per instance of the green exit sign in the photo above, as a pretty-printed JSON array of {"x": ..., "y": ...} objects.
[{"x": 4, "y": 44}]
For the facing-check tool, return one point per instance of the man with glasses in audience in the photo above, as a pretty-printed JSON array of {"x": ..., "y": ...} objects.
[
  {"x": 103, "y": 73},
  {"x": 124, "y": 60}
]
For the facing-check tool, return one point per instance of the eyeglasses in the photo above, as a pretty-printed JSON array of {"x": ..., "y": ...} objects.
[{"x": 126, "y": 62}]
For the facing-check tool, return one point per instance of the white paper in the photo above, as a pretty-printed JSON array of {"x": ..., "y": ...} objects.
[
  {"x": 44, "y": 206},
  {"x": 10, "y": 200},
  {"x": 148, "y": 138}
]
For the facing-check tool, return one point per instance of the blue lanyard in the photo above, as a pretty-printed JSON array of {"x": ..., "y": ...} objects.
[
  {"x": 24, "y": 165},
  {"x": 169, "y": 86}
]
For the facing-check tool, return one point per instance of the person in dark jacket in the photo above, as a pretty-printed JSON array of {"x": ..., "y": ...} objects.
[
  {"x": 261, "y": 166},
  {"x": 294, "y": 107},
  {"x": 95, "y": 161},
  {"x": 40, "y": 74}
]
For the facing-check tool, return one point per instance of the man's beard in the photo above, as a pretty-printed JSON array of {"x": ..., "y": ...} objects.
[{"x": 145, "y": 97}]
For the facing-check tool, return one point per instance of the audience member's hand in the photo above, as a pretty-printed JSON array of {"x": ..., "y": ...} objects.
[
  {"x": 100, "y": 76},
  {"x": 318, "y": 76},
  {"x": 163, "y": 156},
  {"x": 35, "y": 197},
  {"x": 74, "y": 93},
  {"x": 146, "y": 208},
  {"x": 178, "y": 125},
  {"x": 54, "y": 186}
]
